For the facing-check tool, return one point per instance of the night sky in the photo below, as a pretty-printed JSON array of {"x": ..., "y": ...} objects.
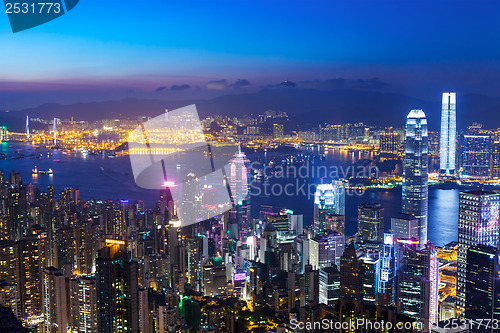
[{"x": 108, "y": 49}]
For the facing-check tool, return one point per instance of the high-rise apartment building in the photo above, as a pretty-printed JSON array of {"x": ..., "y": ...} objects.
[
  {"x": 117, "y": 298},
  {"x": 448, "y": 134},
  {"x": 54, "y": 301},
  {"x": 83, "y": 301},
  {"x": 415, "y": 171},
  {"x": 29, "y": 281}
]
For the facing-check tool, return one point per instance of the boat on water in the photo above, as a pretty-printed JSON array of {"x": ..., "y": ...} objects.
[{"x": 35, "y": 171}]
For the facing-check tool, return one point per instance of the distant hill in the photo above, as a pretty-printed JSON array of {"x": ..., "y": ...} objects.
[{"x": 307, "y": 106}]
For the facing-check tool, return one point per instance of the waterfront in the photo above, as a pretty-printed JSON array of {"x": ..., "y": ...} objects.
[{"x": 100, "y": 177}]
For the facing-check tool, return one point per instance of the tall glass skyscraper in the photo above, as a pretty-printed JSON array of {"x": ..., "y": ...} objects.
[
  {"x": 448, "y": 134},
  {"x": 478, "y": 224},
  {"x": 417, "y": 283},
  {"x": 476, "y": 156},
  {"x": 415, "y": 167},
  {"x": 328, "y": 199}
]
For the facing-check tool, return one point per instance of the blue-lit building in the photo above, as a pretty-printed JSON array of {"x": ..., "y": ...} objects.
[
  {"x": 448, "y": 134},
  {"x": 387, "y": 271},
  {"x": 328, "y": 199},
  {"x": 478, "y": 224},
  {"x": 417, "y": 283},
  {"x": 240, "y": 193},
  {"x": 415, "y": 171},
  {"x": 476, "y": 156}
]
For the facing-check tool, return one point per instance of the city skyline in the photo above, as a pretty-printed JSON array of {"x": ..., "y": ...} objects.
[{"x": 234, "y": 166}]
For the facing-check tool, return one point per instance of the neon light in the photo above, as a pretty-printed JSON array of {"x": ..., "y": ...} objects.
[
  {"x": 408, "y": 241},
  {"x": 240, "y": 276},
  {"x": 114, "y": 241}
]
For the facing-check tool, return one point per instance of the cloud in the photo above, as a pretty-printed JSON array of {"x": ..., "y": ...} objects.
[
  {"x": 240, "y": 84},
  {"x": 217, "y": 85},
  {"x": 180, "y": 87},
  {"x": 160, "y": 88}
]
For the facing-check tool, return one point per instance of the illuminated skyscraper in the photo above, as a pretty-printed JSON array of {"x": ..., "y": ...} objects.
[
  {"x": 415, "y": 167},
  {"x": 325, "y": 250},
  {"x": 417, "y": 287},
  {"x": 27, "y": 128},
  {"x": 329, "y": 285},
  {"x": 328, "y": 199},
  {"x": 369, "y": 271},
  {"x": 387, "y": 271},
  {"x": 54, "y": 129},
  {"x": 495, "y": 155},
  {"x": 481, "y": 287},
  {"x": 194, "y": 248},
  {"x": 371, "y": 222},
  {"x": 117, "y": 287},
  {"x": 29, "y": 281},
  {"x": 351, "y": 277},
  {"x": 54, "y": 301},
  {"x": 478, "y": 224},
  {"x": 389, "y": 142},
  {"x": 448, "y": 134},
  {"x": 240, "y": 192},
  {"x": 83, "y": 302},
  {"x": 476, "y": 156},
  {"x": 404, "y": 226}
]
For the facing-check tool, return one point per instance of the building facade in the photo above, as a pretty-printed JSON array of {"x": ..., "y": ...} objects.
[
  {"x": 328, "y": 199},
  {"x": 448, "y": 134},
  {"x": 415, "y": 171},
  {"x": 478, "y": 224},
  {"x": 371, "y": 222},
  {"x": 476, "y": 156}
]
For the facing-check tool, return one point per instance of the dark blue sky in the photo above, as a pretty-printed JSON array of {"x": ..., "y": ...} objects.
[{"x": 418, "y": 47}]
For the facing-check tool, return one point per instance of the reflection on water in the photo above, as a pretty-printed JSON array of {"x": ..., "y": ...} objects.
[
  {"x": 104, "y": 178},
  {"x": 443, "y": 216}
]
